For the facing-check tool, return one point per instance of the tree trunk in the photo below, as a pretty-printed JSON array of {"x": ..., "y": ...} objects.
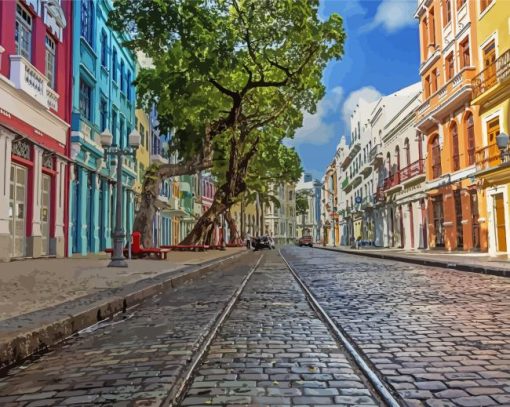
[
  {"x": 204, "y": 226},
  {"x": 234, "y": 234}
]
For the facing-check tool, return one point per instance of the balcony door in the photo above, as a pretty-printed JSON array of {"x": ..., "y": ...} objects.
[
  {"x": 437, "y": 205},
  {"x": 499, "y": 220},
  {"x": 492, "y": 132},
  {"x": 489, "y": 64},
  {"x": 45, "y": 213},
  {"x": 17, "y": 210}
]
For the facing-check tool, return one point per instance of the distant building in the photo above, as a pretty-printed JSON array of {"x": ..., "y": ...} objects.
[
  {"x": 310, "y": 223},
  {"x": 280, "y": 222}
]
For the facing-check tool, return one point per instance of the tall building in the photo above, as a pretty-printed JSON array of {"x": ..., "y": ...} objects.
[
  {"x": 491, "y": 93},
  {"x": 450, "y": 125},
  {"x": 35, "y": 116},
  {"x": 329, "y": 215},
  {"x": 310, "y": 222},
  {"x": 103, "y": 98}
]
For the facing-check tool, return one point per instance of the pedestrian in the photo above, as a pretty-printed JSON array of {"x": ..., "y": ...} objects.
[
  {"x": 358, "y": 242},
  {"x": 248, "y": 241}
]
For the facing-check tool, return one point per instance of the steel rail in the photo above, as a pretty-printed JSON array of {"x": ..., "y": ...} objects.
[
  {"x": 380, "y": 387},
  {"x": 174, "y": 397}
]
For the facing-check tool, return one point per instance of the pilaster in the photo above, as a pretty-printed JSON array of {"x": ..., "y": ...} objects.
[
  {"x": 58, "y": 242},
  {"x": 34, "y": 241},
  {"x": 81, "y": 216},
  {"x": 105, "y": 233},
  {"x": 6, "y": 138},
  {"x": 94, "y": 226}
]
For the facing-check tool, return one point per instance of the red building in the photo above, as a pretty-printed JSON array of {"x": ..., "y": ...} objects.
[{"x": 35, "y": 114}]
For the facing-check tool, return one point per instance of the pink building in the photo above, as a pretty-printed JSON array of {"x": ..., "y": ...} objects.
[
  {"x": 35, "y": 113},
  {"x": 207, "y": 196}
]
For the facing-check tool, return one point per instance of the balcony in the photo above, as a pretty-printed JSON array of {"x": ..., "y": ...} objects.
[
  {"x": 376, "y": 156},
  {"x": 345, "y": 182},
  {"x": 454, "y": 94},
  {"x": 412, "y": 171},
  {"x": 392, "y": 181},
  {"x": 28, "y": 79},
  {"x": 493, "y": 75},
  {"x": 490, "y": 157},
  {"x": 354, "y": 148},
  {"x": 366, "y": 170}
]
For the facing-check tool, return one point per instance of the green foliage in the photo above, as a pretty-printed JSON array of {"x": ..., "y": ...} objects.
[{"x": 302, "y": 202}]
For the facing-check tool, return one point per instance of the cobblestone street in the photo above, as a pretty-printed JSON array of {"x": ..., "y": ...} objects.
[{"x": 439, "y": 337}]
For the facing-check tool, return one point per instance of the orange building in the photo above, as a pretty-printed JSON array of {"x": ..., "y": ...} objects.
[{"x": 448, "y": 43}]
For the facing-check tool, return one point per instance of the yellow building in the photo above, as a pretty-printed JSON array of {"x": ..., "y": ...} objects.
[
  {"x": 142, "y": 154},
  {"x": 491, "y": 92}
]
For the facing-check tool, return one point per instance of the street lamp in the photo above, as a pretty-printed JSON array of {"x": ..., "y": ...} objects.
[
  {"x": 502, "y": 143},
  {"x": 110, "y": 149}
]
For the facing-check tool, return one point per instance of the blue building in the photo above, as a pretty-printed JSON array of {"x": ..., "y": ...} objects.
[{"x": 103, "y": 98}]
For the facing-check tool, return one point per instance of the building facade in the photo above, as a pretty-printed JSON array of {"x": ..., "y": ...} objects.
[
  {"x": 103, "y": 98},
  {"x": 280, "y": 221},
  {"x": 450, "y": 125},
  {"x": 35, "y": 116},
  {"x": 491, "y": 94},
  {"x": 309, "y": 224}
]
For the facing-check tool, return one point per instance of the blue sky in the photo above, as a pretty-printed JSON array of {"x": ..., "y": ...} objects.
[{"x": 381, "y": 56}]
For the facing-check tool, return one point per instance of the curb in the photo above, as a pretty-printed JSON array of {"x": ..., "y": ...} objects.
[
  {"x": 22, "y": 345},
  {"x": 426, "y": 262}
]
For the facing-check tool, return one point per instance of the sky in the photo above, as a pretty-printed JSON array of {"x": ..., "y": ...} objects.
[{"x": 381, "y": 56}]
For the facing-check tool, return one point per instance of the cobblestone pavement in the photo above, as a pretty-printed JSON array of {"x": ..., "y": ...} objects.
[
  {"x": 439, "y": 337},
  {"x": 128, "y": 362},
  {"x": 273, "y": 350}
]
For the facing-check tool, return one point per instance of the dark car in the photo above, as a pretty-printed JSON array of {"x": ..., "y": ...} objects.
[{"x": 305, "y": 241}]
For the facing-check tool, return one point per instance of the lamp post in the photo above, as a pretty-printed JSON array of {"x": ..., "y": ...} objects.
[
  {"x": 118, "y": 259},
  {"x": 502, "y": 143}
]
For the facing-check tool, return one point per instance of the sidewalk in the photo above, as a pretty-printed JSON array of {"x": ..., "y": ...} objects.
[
  {"x": 473, "y": 262},
  {"x": 45, "y": 300}
]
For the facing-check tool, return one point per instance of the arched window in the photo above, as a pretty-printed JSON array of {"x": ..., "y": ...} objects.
[
  {"x": 397, "y": 158},
  {"x": 388, "y": 164},
  {"x": 436, "y": 157},
  {"x": 470, "y": 138},
  {"x": 455, "y": 146}
]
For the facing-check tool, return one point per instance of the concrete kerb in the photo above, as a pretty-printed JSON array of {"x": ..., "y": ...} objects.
[
  {"x": 426, "y": 262},
  {"x": 20, "y": 345}
]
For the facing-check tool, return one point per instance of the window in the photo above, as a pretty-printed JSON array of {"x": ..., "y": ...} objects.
[
  {"x": 427, "y": 87},
  {"x": 122, "y": 76},
  {"x": 447, "y": 11},
  {"x": 121, "y": 133},
  {"x": 489, "y": 64},
  {"x": 142, "y": 133},
  {"x": 23, "y": 34},
  {"x": 86, "y": 20},
  {"x": 432, "y": 28},
  {"x": 114, "y": 128},
  {"x": 128, "y": 86},
  {"x": 449, "y": 67},
  {"x": 484, "y": 4},
  {"x": 465, "y": 59},
  {"x": 408, "y": 151},
  {"x": 104, "y": 49},
  {"x": 436, "y": 158},
  {"x": 433, "y": 81},
  {"x": 455, "y": 146},
  {"x": 103, "y": 112},
  {"x": 85, "y": 100},
  {"x": 470, "y": 132},
  {"x": 50, "y": 61},
  {"x": 114, "y": 65},
  {"x": 424, "y": 35}
]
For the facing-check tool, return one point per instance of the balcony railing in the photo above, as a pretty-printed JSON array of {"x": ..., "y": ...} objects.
[
  {"x": 490, "y": 156},
  {"x": 28, "y": 79},
  {"x": 412, "y": 170},
  {"x": 492, "y": 75},
  {"x": 391, "y": 181}
]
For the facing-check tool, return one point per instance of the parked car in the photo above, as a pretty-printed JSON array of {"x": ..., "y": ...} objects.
[
  {"x": 262, "y": 242},
  {"x": 305, "y": 241}
]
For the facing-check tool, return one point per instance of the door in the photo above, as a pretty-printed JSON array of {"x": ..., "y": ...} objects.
[
  {"x": 411, "y": 223},
  {"x": 438, "y": 220},
  {"x": 499, "y": 211},
  {"x": 474, "y": 216},
  {"x": 458, "y": 219},
  {"x": 17, "y": 210},
  {"x": 489, "y": 64},
  {"x": 492, "y": 132},
  {"x": 45, "y": 213}
]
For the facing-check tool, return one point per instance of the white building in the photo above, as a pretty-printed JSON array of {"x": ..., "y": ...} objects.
[
  {"x": 280, "y": 221},
  {"x": 310, "y": 223}
]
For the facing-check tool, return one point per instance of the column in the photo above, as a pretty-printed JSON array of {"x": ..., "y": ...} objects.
[
  {"x": 105, "y": 233},
  {"x": 34, "y": 243},
  {"x": 112, "y": 211},
  {"x": 5, "y": 181},
  {"x": 94, "y": 210},
  {"x": 72, "y": 215},
  {"x": 81, "y": 215},
  {"x": 57, "y": 244}
]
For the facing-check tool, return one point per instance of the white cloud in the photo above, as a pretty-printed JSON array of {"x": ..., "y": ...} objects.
[
  {"x": 393, "y": 15},
  {"x": 368, "y": 94},
  {"x": 316, "y": 128}
]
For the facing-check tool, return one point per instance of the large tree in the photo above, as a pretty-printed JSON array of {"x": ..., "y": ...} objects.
[{"x": 224, "y": 70}]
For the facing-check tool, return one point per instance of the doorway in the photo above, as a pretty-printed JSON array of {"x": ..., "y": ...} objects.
[
  {"x": 437, "y": 205},
  {"x": 17, "y": 210},
  {"x": 45, "y": 213},
  {"x": 492, "y": 132},
  {"x": 500, "y": 222}
]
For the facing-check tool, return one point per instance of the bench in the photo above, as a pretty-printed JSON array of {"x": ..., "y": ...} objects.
[
  {"x": 189, "y": 248},
  {"x": 137, "y": 249}
]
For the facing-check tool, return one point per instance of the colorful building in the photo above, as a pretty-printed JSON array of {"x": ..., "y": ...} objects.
[
  {"x": 449, "y": 124},
  {"x": 103, "y": 98},
  {"x": 309, "y": 224},
  {"x": 35, "y": 116},
  {"x": 491, "y": 94},
  {"x": 142, "y": 125},
  {"x": 330, "y": 218}
]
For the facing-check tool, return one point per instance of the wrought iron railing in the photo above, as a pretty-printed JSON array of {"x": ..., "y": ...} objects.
[
  {"x": 490, "y": 156},
  {"x": 391, "y": 181},
  {"x": 412, "y": 170},
  {"x": 491, "y": 75}
]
